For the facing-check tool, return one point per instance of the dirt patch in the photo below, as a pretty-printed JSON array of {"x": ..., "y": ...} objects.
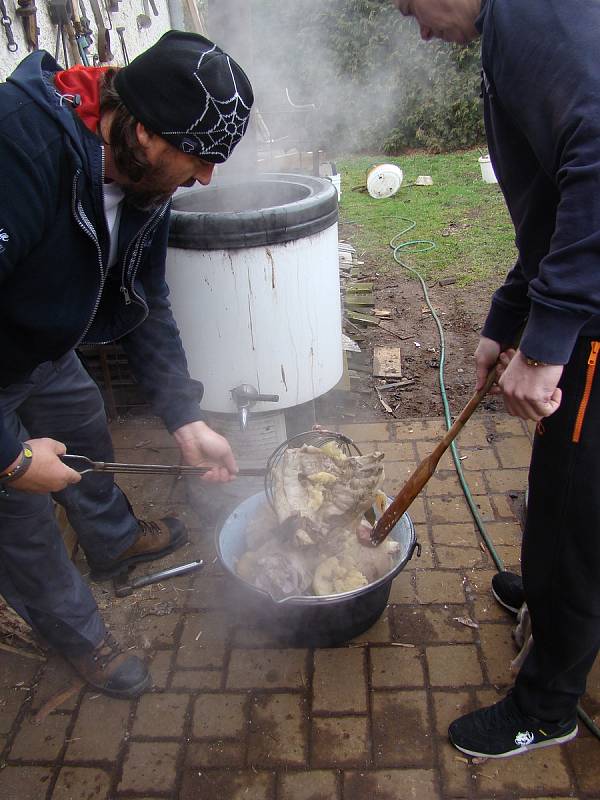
[{"x": 411, "y": 327}]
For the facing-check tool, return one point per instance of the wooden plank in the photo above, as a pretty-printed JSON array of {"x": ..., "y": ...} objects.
[
  {"x": 359, "y": 299},
  {"x": 387, "y": 362},
  {"x": 358, "y": 288},
  {"x": 366, "y": 319}
]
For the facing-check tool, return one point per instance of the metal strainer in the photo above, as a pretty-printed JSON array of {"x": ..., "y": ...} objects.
[{"x": 317, "y": 437}]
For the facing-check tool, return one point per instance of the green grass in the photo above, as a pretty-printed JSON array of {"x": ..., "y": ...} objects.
[{"x": 478, "y": 244}]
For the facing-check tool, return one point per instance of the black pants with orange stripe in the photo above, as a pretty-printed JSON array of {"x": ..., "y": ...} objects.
[{"x": 561, "y": 547}]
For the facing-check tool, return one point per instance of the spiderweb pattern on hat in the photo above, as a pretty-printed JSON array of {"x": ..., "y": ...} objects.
[{"x": 221, "y": 124}]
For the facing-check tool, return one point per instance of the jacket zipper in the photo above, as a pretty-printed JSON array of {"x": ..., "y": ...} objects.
[
  {"x": 85, "y": 224},
  {"x": 589, "y": 379},
  {"x": 129, "y": 273}
]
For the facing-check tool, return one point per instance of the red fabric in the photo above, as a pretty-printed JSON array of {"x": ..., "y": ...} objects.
[{"x": 83, "y": 81}]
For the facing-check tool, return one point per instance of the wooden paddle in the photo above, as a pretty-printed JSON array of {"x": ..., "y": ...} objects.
[{"x": 426, "y": 468}]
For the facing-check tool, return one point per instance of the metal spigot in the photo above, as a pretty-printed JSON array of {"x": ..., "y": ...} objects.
[{"x": 246, "y": 396}]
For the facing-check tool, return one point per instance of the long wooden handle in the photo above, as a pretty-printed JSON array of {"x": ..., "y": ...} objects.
[{"x": 426, "y": 468}]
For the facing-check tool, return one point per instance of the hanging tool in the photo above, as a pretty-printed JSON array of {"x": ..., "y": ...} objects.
[
  {"x": 82, "y": 40},
  {"x": 27, "y": 11},
  {"x": 154, "y": 8},
  {"x": 83, "y": 464},
  {"x": 6, "y": 22},
  {"x": 121, "y": 35},
  {"x": 143, "y": 20},
  {"x": 103, "y": 37},
  {"x": 426, "y": 468},
  {"x": 123, "y": 587},
  {"x": 59, "y": 16}
]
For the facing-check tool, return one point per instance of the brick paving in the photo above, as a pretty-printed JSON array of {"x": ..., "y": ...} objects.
[{"x": 234, "y": 714}]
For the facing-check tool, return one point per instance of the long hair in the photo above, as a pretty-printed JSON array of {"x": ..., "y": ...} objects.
[{"x": 127, "y": 153}]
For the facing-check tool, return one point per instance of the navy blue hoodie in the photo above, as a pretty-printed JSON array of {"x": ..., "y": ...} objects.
[
  {"x": 542, "y": 112},
  {"x": 55, "y": 289}
]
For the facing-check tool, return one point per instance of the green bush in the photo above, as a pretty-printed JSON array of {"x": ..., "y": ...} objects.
[{"x": 375, "y": 84}]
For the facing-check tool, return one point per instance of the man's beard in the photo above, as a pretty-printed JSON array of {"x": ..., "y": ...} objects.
[{"x": 150, "y": 192}]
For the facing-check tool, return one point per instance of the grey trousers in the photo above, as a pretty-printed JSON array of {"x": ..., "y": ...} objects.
[{"x": 59, "y": 400}]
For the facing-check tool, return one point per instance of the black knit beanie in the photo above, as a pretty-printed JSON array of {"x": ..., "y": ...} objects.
[{"x": 187, "y": 90}]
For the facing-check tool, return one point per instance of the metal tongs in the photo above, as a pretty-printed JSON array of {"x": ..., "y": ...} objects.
[{"x": 83, "y": 464}]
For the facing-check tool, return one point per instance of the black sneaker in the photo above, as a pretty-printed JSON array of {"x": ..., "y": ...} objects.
[
  {"x": 501, "y": 730},
  {"x": 507, "y": 588}
]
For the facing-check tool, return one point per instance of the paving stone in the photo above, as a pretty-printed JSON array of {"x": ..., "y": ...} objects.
[
  {"x": 498, "y": 651},
  {"x": 460, "y": 534},
  {"x": 81, "y": 783},
  {"x": 56, "y": 676},
  {"x": 461, "y": 557},
  {"x": 91, "y": 741},
  {"x": 424, "y": 450},
  {"x": 396, "y": 475},
  {"x": 392, "y": 784},
  {"x": 440, "y": 587},
  {"x": 538, "y": 772},
  {"x": 41, "y": 742},
  {"x": 195, "y": 679},
  {"x": 514, "y": 451},
  {"x": 218, "y": 716},
  {"x": 418, "y": 429},
  {"x": 24, "y": 783},
  {"x": 367, "y": 432},
  {"x": 582, "y": 752},
  {"x": 150, "y": 767},
  {"x": 448, "y": 706},
  {"x": 339, "y": 742},
  {"x": 227, "y": 784},
  {"x": 11, "y": 701},
  {"x": 455, "y": 509},
  {"x": 505, "y": 425},
  {"x": 507, "y": 532},
  {"x": 503, "y": 506},
  {"x": 267, "y": 669},
  {"x": 454, "y": 665},
  {"x": 401, "y": 729},
  {"x": 396, "y": 667},
  {"x": 313, "y": 785},
  {"x": 209, "y": 593},
  {"x": 486, "y": 609},
  {"x": 444, "y": 483},
  {"x": 339, "y": 681},
  {"x": 160, "y": 715},
  {"x": 157, "y": 631},
  {"x": 278, "y": 731},
  {"x": 398, "y": 451},
  {"x": 403, "y": 589},
  {"x": 457, "y": 772},
  {"x": 216, "y": 753},
  {"x": 151, "y": 435},
  {"x": 416, "y": 511},
  {"x": 478, "y": 458},
  {"x": 506, "y": 480},
  {"x": 510, "y": 556},
  {"x": 474, "y": 433},
  {"x": 379, "y": 632},
  {"x": 430, "y": 624},
  {"x": 203, "y": 640},
  {"x": 418, "y": 563}
]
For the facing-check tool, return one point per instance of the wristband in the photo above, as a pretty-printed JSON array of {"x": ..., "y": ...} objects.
[{"x": 20, "y": 467}]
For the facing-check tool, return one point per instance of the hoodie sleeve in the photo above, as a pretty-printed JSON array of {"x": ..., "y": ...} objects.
[
  {"x": 24, "y": 201},
  {"x": 155, "y": 351},
  {"x": 551, "y": 92}
]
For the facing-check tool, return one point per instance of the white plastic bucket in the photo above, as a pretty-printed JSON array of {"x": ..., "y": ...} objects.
[
  {"x": 487, "y": 170},
  {"x": 384, "y": 180},
  {"x": 337, "y": 182}
]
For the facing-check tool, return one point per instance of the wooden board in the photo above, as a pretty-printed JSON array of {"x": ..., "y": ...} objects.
[{"x": 387, "y": 362}]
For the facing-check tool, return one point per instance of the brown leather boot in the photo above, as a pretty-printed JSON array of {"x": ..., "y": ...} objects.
[
  {"x": 155, "y": 540},
  {"x": 112, "y": 671}
]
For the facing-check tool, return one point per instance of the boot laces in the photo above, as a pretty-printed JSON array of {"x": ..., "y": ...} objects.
[
  {"x": 149, "y": 527},
  {"x": 108, "y": 650}
]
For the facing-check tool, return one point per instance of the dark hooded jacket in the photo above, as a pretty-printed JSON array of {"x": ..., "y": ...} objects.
[
  {"x": 55, "y": 289},
  {"x": 542, "y": 114}
]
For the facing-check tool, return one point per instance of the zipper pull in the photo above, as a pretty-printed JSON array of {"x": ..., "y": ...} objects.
[
  {"x": 594, "y": 354},
  {"x": 126, "y": 296}
]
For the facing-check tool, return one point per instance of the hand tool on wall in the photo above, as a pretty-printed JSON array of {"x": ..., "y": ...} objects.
[
  {"x": 27, "y": 10},
  {"x": 121, "y": 35},
  {"x": 83, "y": 464},
  {"x": 103, "y": 37},
  {"x": 6, "y": 23},
  {"x": 124, "y": 587},
  {"x": 82, "y": 40},
  {"x": 59, "y": 16},
  {"x": 143, "y": 20},
  {"x": 154, "y": 8},
  {"x": 426, "y": 468}
]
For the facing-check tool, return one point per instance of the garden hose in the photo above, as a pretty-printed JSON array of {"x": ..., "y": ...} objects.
[{"x": 422, "y": 246}]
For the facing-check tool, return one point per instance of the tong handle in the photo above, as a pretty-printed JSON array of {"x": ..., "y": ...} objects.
[{"x": 83, "y": 464}]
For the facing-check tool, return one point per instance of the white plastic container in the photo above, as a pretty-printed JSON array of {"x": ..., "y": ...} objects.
[
  {"x": 384, "y": 180},
  {"x": 487, "y": 170},
  {"x": 337, "y": 182}
]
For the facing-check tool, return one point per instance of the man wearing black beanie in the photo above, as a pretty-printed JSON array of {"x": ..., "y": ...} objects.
[{"x": 96, "y": 154}]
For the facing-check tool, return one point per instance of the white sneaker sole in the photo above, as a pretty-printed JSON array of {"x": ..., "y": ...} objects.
[
  {"x": 520, "y": 750},
  {"x": 503, "y": 603}
]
